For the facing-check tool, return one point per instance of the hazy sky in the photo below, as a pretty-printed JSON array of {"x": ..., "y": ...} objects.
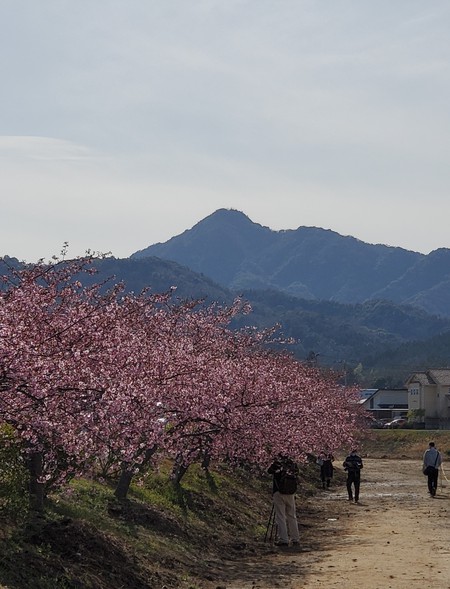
[{"x": 123, "y": 123}]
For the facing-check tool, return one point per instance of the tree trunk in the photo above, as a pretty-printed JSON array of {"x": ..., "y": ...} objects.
[
  {"x": 127, "y": 473},
  {"x": 36, "y": 488},
  {"x": 179, "y": 469},
  {"x": 206, "y": 460},
  {"x": 124, "y": 483}
]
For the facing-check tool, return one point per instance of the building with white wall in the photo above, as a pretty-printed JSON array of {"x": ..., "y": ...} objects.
[{"x": 429, "y": 395}]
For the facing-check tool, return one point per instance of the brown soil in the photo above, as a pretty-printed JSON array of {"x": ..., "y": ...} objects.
[{"x": 397, "y": 537}]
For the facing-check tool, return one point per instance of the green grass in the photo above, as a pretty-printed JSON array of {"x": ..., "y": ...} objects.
[{"x": 162, "y": 535}]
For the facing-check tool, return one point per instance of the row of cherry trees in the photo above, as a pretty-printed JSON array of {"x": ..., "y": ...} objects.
[{"x": 93, "y": 378}]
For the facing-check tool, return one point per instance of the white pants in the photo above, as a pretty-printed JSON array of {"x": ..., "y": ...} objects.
[{"x": 285, "y": 517}]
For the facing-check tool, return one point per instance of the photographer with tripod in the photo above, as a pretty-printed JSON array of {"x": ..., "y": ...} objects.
[{"x": 285, "y": 474}]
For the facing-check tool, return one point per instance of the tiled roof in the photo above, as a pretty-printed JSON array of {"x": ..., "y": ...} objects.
[
  {"x": 420, "y": 377},
  {"x": 440, "y": 377}
]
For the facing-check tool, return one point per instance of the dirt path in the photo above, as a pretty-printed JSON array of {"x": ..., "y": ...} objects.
[{"x": 397, "y": 537}]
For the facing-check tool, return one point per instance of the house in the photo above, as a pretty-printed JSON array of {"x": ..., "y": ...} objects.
[
  {"x": 385, "y": 403},
  {"x": 429, "y": 395}
]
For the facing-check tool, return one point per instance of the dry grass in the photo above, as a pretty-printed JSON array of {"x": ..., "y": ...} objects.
[{"x": 404, "y": 443}]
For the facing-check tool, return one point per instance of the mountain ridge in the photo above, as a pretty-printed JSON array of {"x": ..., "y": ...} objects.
[
  {"x": 403, "y": 325},
  {"x": 308, "y": 262}
]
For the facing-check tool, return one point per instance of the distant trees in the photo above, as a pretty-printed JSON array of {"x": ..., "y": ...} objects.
[
  {"x": 93, "y": 378},
  {"x": 416, "y": 415}
]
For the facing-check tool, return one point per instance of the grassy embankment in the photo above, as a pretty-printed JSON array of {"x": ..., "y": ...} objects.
[
  {"x": 162, "y": 536},
  {"x": 404, "y": 443}
]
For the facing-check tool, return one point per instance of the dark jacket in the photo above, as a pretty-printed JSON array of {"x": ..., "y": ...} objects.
[
  {"x": 325, "y": 461},
  {"x": 278, "y": 468},
  {"x": 353, "y": 464}
]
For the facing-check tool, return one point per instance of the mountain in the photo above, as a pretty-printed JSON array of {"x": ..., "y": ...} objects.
[
  {"x": 216, "y": 246},
  {"x": 378, "y": 310},
  {"x": 308, "y": 262},
  {"x": 374, "y": 336},
  {"x": 425, "y": 285},
  {"x": 369, "y": 335},
  {"x": 342, "y": 336},
  {"x": 154, "y": 273},
  {"x": 160, "y": 275}
]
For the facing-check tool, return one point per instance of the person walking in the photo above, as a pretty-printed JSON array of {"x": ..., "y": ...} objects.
[
  {"x": 432, "y": 460},
  {"x": 284, "y": 486},
  {"x": 353, "y": 465},
  {"x": 325, "y": 461}
]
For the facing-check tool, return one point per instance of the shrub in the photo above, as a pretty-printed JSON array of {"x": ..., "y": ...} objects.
[{"x": 13, "y": 475}]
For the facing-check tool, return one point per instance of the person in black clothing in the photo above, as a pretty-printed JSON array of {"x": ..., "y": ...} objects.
[
  {"x": 285, "y": 472},
  {"x": 353, "y": 465},
  {"x": 325, "y": 461}
]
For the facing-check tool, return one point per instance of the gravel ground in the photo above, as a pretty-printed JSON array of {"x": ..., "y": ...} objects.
[{"x": 396, "y": 537}]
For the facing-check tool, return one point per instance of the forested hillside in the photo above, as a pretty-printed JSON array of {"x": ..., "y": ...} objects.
[
  {"x": 377, "y": 341},
  {"x": 359, "y": 336}
]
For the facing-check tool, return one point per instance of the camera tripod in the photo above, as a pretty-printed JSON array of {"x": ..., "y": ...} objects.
[{"x": 271, "y": 527}]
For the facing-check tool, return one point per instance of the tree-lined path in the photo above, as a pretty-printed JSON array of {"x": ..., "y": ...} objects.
[
  {"x": 96, "y": 381},
  {"x": 398, "y": 537}
]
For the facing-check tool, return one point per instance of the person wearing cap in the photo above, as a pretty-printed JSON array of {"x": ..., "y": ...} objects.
[
  {"x": 432, "y": 460},
  {"x": 353, "y": 465}
]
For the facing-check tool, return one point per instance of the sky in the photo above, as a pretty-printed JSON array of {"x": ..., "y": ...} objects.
[{"x": 125, "y": 122}]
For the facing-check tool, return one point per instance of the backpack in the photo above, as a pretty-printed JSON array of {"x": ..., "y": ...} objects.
[
  {"x": 287, "y": 479},
  {"x": 353, "y": 463}
]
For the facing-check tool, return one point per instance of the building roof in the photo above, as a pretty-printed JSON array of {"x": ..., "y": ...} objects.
[
  {"x": 431, "y": 377},
  {"x": 368, "y": 394}
]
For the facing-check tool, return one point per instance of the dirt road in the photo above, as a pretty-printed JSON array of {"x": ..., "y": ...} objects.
[{"x": 396, "y": 537}]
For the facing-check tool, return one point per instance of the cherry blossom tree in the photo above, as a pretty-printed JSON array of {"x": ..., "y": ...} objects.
[
  {"x": 255, "y": 403},
  {"x": 50, "y": 343},
  {"x": 90, "y": 374}
]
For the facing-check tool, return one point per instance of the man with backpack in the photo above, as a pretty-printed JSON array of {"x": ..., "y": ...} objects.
[
  {"x": 285, "y": 475},
  {"x": 353, "y": 465}
]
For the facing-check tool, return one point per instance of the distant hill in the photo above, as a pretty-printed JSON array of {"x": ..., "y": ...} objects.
[
  {"x": 381, "y": 339},
  {"x": 154, "y": 273},
  {"x": 160, "y": 275},
  {"x": 375, "y": 335},
  {"x": 375, "y": 311},
  {"x": 308, "y": 262},
  {"x": 337, "y": 331}
]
